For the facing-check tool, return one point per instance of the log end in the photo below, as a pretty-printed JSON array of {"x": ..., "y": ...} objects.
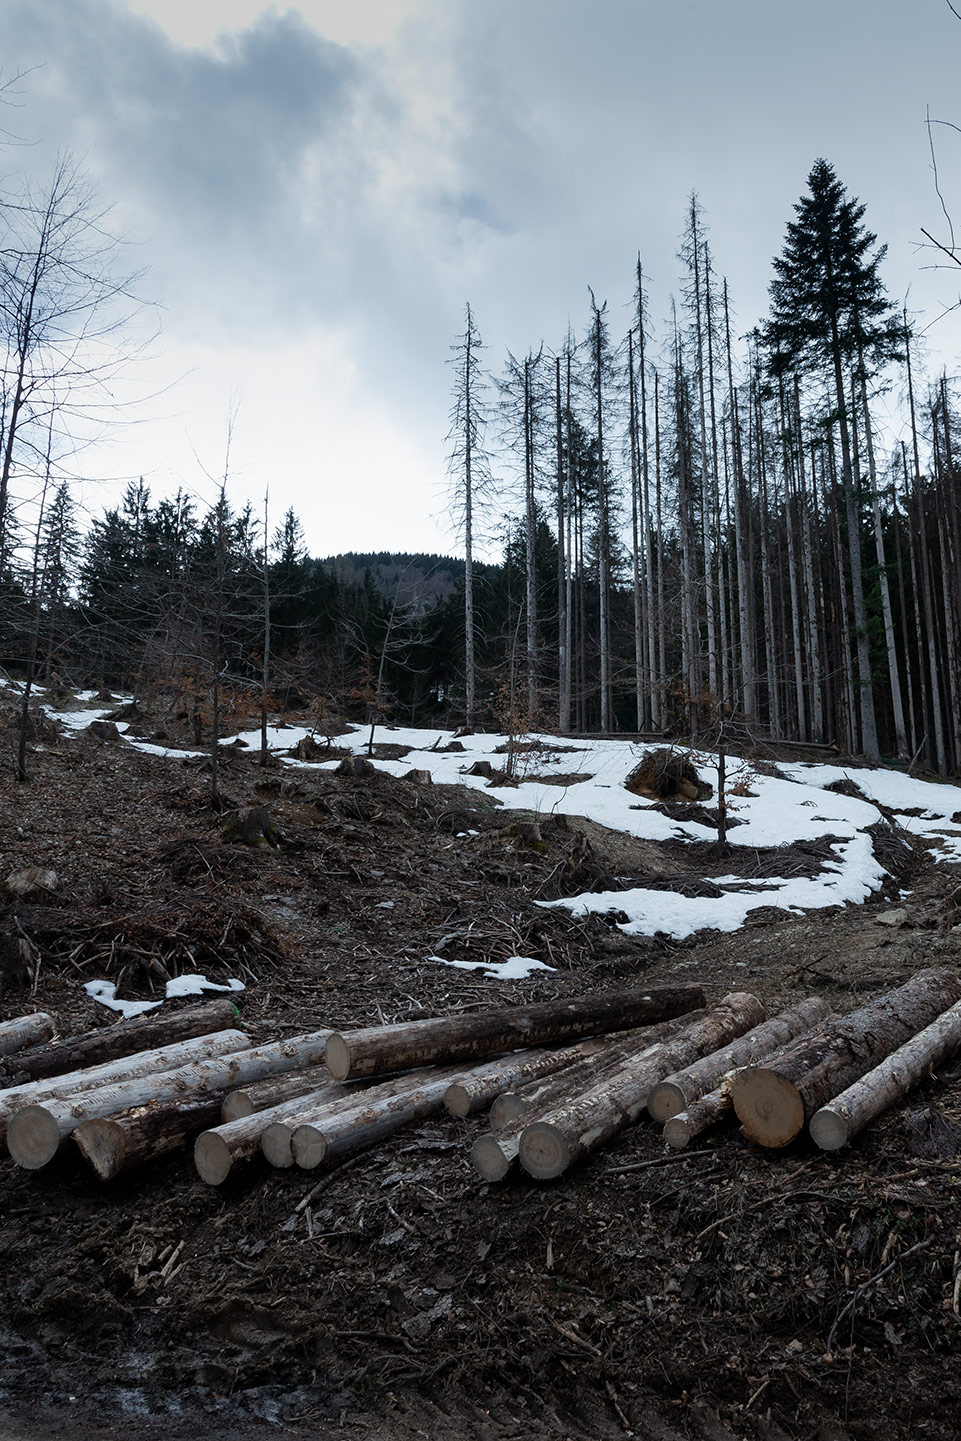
[
  {"x": 308, "y": 1146},
  {"x": 544, "y": 1151},
  {"x": 456, "y": 1100},
  {"x": 666, "y": 1100},
  {"x": 506, "y": 1110},
  {"x": 337, "y": 1056},
  {"x": 212, "y": 1158},
  {"x": 768, "y": 1106},
  {"x": 236, "y": 1105},
  {"x": 829, "y": 1130},
  {"x": 103, "y": 1145},
  {"x": 33, "y": 1137},
  {"x": 677, "y": 1132},
  {"x": 275, "y": 1144},
  {"x": 488, "y": 1159}
]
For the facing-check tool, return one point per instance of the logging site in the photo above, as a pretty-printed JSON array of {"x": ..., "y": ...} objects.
[{"x": 474, "y": 1085}]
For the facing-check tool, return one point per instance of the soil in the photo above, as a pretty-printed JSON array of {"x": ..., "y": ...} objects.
[{"x": 717, "y": 1293}]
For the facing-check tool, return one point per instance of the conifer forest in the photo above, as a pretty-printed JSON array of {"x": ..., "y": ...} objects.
[{"x": 666, "y": 524}]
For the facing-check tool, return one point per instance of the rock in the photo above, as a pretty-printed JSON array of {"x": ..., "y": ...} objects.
[
  {"x": 898, "y": 917},
  {"x": 33, "y": 881}
]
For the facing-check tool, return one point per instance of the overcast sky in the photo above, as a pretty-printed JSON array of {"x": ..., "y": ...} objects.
[{"x": 316, "y": 191}]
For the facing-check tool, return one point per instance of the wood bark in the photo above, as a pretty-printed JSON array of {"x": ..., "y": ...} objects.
[
  {"x": 675, "y": 1093},
  {"x": 144, "y": 1063},
  {"x": 552, "y": 1143},
  {"x": 125, "y": 1038},
  {"x": 345, "y": 1130},
  {"x": 112, "y": 1143},
  {"x": 272, "y": 1090},
  {"x": 276, "y": 1136},
  {"x": 773, "y": 1101},
  {"x": 383, "y": 1049},
  {"x": 835, "y": 1124},
  {"x": 24, "y": 1031},
  {"x": 522, "y": 1067},
  {"x": 35, "y": 1133}
]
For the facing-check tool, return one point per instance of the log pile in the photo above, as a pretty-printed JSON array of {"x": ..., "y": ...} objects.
[{"x": 561, "y": 1079}]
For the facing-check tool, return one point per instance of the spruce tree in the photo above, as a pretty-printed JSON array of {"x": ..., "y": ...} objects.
[{"x": 829, "y": 313}]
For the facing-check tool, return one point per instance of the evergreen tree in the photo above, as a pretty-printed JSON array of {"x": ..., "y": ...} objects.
[{"x": 829, "y": 313}]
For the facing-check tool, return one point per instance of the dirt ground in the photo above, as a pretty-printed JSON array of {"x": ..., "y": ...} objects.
[{"x": 717, "y": 1293}]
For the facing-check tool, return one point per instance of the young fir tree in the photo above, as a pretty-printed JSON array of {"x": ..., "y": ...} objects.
[{"x": 829, "y": 312}]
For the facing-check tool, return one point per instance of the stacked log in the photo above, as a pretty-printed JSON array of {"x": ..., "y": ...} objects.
[
  {"x": 24, "y": 1031},
  {"x": 272, "y": 1090},
  {"x": 835, "y": 1124},
  {"x": 15, "y": 1099},
  {"x": 34, "y": 1133},
  {"x": 773, "y": 1101},
  {"x": 277, "y": 1139},
  {"x": 445, "y": 1039},
  {"x": 112, "y": 1143},
  {"x": 676, "y": 1093},
  {"x": 126, "y": 1038}
]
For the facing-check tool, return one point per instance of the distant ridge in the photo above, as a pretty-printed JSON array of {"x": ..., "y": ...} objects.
[{"x": 417, "y": 579}]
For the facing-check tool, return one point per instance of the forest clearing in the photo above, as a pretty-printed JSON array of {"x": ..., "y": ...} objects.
[{"x": 672, "y": 1293}]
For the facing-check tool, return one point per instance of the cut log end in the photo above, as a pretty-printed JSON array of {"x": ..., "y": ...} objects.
[
  {"x": 544, "y": 1151},
  {"x": 212, "y": 1158},
  {"x": 275, "y": 1144},
  {"x": 308, "y": 1146},
  {"x": 456, "y": 1100},
  {"x": 829, "y": 1130},
  {"x": 768, "y": 1106},
  {"x": 666, "y": 1100},
  {"x": 236, "y": 1105},
  {"x": 33, "y": 1137},
  {"x": 489, "y": 1159},
  {"x": 506, "y": 1110},
  {"x": 337, "y": 1056},
  {"x": 103, "y": 1145},
  {"x": 677, "y": 1132}
]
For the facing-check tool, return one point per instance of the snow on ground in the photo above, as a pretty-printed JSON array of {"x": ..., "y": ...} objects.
[
  {"x": 785, "y": 804},
  {"x": 106, "y": 993},
  {"x": 515, "y": 968}
]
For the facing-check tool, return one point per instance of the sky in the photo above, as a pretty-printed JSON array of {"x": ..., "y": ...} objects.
[{"x": 313, "y": 193}]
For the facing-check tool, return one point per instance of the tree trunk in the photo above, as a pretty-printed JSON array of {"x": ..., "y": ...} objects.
[
  {"x": 552, "y": 1143},
  {"x": 583, "y": 1071},
  {"x": 835, "y": 1124},
  {"x": 275, "y": 1139},
  {"x": 126, "y": 1038},
  {"x": 521, "y": 1068},
  {"x": 34, "y": 1134},
  {"x": 126, "y": 1068},
  {"x": 681, "y": 1129},
  {"x": 774, "y": 1101},
  {"x": 675, "y": 1093},
  {"x": 486, "y": 1033},
  {"x": 110, "y": 1144},
  {"x": 272, "y": 1090},
  {"x": 218, "y": 1149},
  {"x": 339, "y": 1132},
  {"x": 24, "y": 1031}
]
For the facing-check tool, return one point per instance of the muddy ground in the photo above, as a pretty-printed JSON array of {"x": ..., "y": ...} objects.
[{"x": 719, "y": 1293}]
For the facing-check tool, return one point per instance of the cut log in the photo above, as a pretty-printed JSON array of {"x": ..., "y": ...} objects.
[
  {"x": 493, "y": 1157},
  {"x": 126, "y": 1038},
  {"x": 120, "y": 1071},
  {"x": 515, "y": 1106},
  {"x": 834, "y": 1125},
  {"x": 553, "y": 1142},
  {"x": 675, "y": 1093},
  {"x": 382, "y": 1049},
  {"x": 270, "y": 1092},
  {"x": 34, "y": 1134},
  {"x": 681, "y": 1129},
  {"x": 24, "y": 1031},
  {"x": 351, "y": 1129},
  {"x": 773, "y": 1101},
  {"x": 112, "y": 1143},
  {"x": 521, "y": 1068},
  {"x": 218, "y": 1150},
  {"x": 276, "y": 1138}
]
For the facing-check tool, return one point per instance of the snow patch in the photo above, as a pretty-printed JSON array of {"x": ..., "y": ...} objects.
[{"x": 515, "y": 968}]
